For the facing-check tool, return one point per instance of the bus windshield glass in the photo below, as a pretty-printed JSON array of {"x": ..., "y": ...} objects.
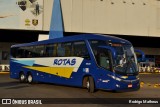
[{"x": 126, "y": 61}]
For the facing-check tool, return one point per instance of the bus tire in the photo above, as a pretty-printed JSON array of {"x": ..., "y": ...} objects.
[
  {"x": 90, "y": 84},
  {"x": 30, "y": 78},
  {"x": 22, "y": 77}
]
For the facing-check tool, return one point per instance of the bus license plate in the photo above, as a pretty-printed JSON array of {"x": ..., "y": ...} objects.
[{"x": 130, "y": 86}]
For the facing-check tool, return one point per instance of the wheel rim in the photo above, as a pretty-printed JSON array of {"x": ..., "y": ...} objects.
[
  {"x": 22, "y": 77},
  {"x": 29, "y": 78},
  {"x": 88, "y": 85}
]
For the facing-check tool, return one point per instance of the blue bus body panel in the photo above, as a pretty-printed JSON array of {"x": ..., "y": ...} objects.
[
  {"x": 74, "y": 79},
  {"x": 77, "y": 38},
  {"x": 102, "y": 78}
]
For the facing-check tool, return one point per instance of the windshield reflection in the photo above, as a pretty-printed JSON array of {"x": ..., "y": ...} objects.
[{"x": 126, "y": 61}]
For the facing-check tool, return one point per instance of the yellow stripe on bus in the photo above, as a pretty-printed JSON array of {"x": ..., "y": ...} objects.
[{"x": 59, "y": 71}]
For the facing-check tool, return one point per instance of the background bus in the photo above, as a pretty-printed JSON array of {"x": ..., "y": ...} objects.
[{"x": 90, "y": 61}]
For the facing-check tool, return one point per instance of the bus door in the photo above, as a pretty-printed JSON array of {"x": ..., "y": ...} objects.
[{"x": 104, "y": 61}]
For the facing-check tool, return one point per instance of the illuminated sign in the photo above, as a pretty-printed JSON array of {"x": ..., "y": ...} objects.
[{"x": 116, "y": 45}]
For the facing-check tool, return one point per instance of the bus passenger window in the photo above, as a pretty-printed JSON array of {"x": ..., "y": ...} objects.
[
  {"x": 39, "y": 51},
  {"x": 61, "y": 50},
  {"x": 68, "y": 49},
  {"x": 13, "y": 52},
  {"x": 103, "y": 59},
  {"x": 50, "y": 50},
  {"x": 29, "y": 55},
  {"x": 80, "y": 50}
]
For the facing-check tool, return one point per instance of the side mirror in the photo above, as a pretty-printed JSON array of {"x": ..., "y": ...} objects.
[
  {"x": 113, "y": 51},
  {"x": 140, "y": 52}
]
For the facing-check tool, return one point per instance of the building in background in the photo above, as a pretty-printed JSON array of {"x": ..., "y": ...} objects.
[{"x": 135, "y": 20}]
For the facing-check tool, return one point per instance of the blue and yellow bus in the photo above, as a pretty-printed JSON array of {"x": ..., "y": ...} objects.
[{"x": 89, "y": 60}]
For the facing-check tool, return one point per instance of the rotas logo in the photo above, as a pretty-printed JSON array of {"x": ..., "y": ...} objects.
[{"x": 64, "y": 62}]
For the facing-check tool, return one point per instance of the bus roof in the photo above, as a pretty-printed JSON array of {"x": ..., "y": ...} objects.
[{"x": 76, "y": 38}]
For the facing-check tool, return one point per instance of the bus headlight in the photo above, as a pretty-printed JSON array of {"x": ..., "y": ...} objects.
[
  {"x": 117, "y": 85},
  {"x": 115, "y": 78},
  {"x": 118, "y": 79}
]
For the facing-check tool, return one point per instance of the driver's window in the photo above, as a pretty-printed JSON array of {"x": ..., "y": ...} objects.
[{"x": 103, "y": 58}]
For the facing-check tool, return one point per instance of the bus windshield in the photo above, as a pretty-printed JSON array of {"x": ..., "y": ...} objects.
[{"x": 126, "y": 61}]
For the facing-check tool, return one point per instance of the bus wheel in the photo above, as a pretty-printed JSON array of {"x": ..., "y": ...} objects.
[
  {"x": 90, "y": 84},
  {"x": 22, "y": 77},
  {"x": 30, "y": 78}
]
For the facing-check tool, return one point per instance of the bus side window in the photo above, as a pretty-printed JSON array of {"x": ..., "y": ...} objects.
[
  {"x": 50, "y": 50},
  {"x": 80, "y": 50},
  {"x": 14, "y": 52},
  {"x": 103, "y": 58},
  {"x": 68, "y": 49},
  {"x": 39, "y": 51},
  {"x": 29, "y": 55},
  {"x": 61, "y": 50},
  {"x": 30, "y": 52},
  {"x": 20, "y": 53}
]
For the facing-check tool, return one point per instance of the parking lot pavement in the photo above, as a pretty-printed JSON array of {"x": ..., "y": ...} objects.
[{"x": 11, "y": 88}]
